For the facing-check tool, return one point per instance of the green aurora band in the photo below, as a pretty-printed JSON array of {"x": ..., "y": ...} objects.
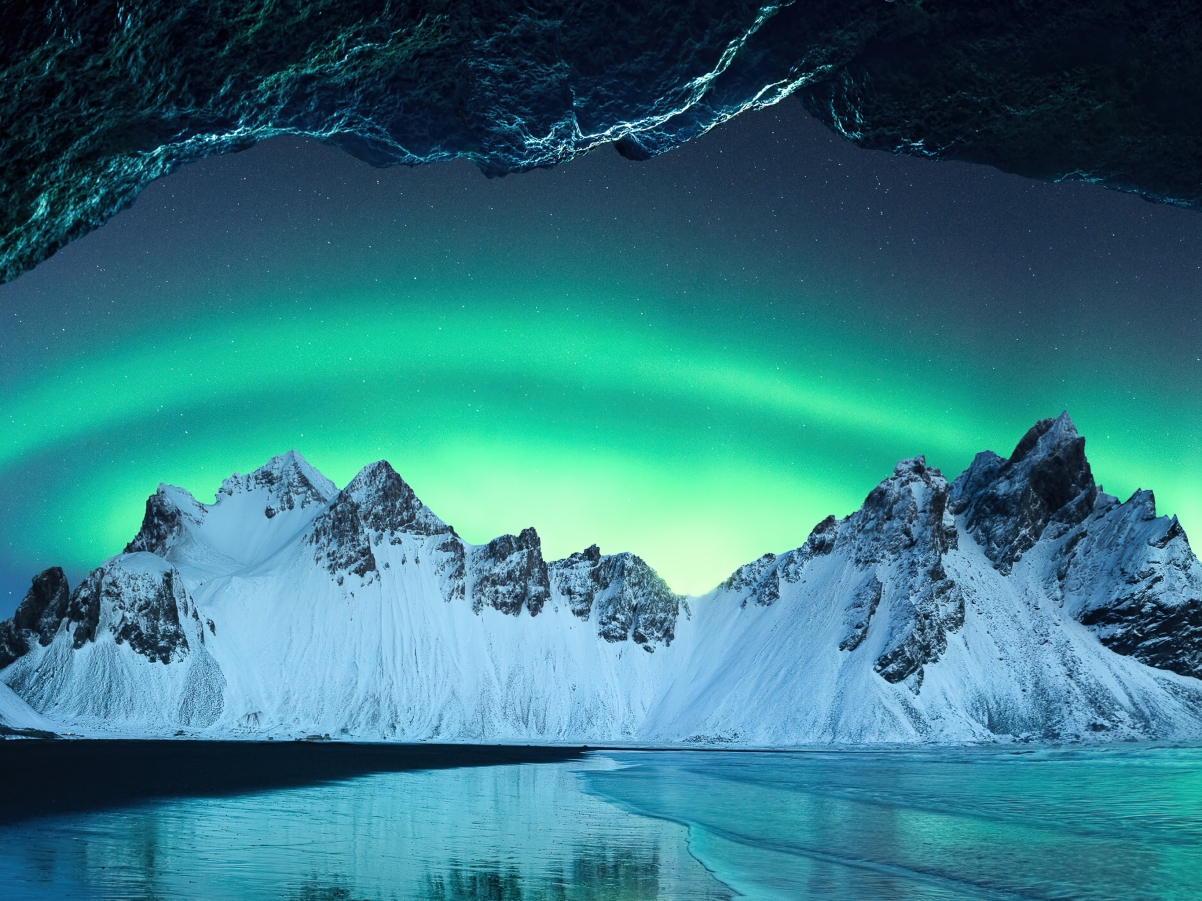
[
  {"x": 694, "y": 419},
  {"x": 624, "y": 427}
]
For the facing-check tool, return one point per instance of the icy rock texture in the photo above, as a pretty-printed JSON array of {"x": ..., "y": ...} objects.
[
  {"x": 1018, "y": 603},
  {"x": 162, "y": 525},
  {"x": 629, "y": 598},
  {"x": 101, "y": 98},
  {"x": 1046, "y": 482},
  {"x": 509, "y": 574},
  {"x": 1131, "y": 577},
  {"x": 147, "y": 609},
  {"x": 37, "y": 617}
]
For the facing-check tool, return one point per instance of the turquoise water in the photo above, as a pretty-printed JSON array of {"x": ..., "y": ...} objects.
[{"x": 1120, "y": 823}]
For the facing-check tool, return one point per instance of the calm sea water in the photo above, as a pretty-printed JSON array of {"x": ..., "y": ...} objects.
[{"x": 967, "y": 824}]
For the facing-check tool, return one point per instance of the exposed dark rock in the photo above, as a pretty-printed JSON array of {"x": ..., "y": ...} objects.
[
  {"x": 162, "y": 525},
  {"x": 902, "y": 532},
  {"x": 290, "y": 480},
  {"x": 1141, "y": 625},
  {"x": 388, "y": 506},
  {"x": 451, "y": 563},
  {"x": 821, "y": 541},
  {"x": 146, "y": 613},
  {"x": 1046, "y": 481},
  {"x": 905, "y": 514},
  {"x": 632, "y": 601},
  {"x": 628, "y": 598},
  {"x": 340, "y": 540},
  {"x": 37, "y": 617},
  {"x": 83, "y": 610},
  {"x": 144, "y": 609},
  {"x": 577, "y": 579},
  {"x": 14, "y": 643},
  {"x": 863, "y": 605},
  {"x": 44, "y": 605},
  {"x": 1103, "y": 92},
  {"x": 759, "y": 579},
  {"x": 101, "y": 98},
  {"x": 933, "y": 609},
  {"x": 509, "y": 573},
  {"x": 1132, "y": 578}
]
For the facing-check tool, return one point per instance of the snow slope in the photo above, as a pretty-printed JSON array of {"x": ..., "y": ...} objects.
[
  {"x": 1017, "y": 603},
  {"x": 17, "y": 716}
]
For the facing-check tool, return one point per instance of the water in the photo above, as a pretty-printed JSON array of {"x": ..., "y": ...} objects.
[{"x": 1120, "y": 823}]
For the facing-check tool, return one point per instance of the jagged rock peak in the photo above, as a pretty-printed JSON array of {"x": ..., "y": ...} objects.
[
  {"x": 162, "y": 523},
  {"x": 628, "y": 597},
  {"x": 288, "y": 478},
  {"x": 510, "y": 574},
  {"x": 908, "y": 509},
  {"x": 37, "y": 616},
  {"x": 1008, "y": 504},
  {"x": 340, "y": 539},
  {"x": 388, "y": 506}
]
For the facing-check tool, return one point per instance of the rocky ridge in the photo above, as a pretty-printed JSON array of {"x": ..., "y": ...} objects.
[{"x": 1018, "y": 600}]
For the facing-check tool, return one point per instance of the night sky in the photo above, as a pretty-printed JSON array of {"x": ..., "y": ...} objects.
[{"x": 695, "y": 358}]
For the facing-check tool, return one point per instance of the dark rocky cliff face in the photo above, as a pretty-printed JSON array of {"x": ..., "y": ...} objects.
[
  {"x": 1132, "y": 578},
  {"x": 902, "y": 532},
  {"x": 37, "y": 617},
  {"x": 627, "y": 597},
  {"x": 1008, "y": 504},
  {"x": 103, "y": 97},
  {"x": 162, "y": 525},
  {"x": 144, "y": 609},
  {"x": 388, "y": 507},
  {"x": 509, "y": 573},
  {"x": 339, "y": 539},
  {"x": 1128, "y": 575}
]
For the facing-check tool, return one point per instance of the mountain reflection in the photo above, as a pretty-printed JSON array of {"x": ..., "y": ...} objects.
[
  {"x": 316, "y": 891},
  {"x": 625, "y": 874},
  {"x": 502, "y": 832}
]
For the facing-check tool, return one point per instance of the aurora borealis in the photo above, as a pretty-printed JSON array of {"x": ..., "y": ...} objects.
[{"x": 694, "y": 358}]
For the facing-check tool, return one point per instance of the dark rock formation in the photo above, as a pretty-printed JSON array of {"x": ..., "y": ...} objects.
[
  {"x": 83, "y": 611},
  {"x": 388, "y": 507},
  {"x": 1103, "y": 92},
  {"x": 289, "y": 480},
  {"x": 905, "y": 528},
  {"x": 340, "y": 540},
  {"x": 37, "y": 617},
  {"x": 101, "y": 98},
  {"x": 864, "y": 601},
  {"x": 819, "y": 543},
  {"x": 145, "y": 609},
  {"x": 628, "y": 598},
  {"x": 162, "y": 525},
  {"x": 1047, "y": 481},
  {"x": 148, "y": 617},
  {"x": 577, "y": 579},
  {"x": 1132, "y": 578},
  {"x": 933, "y": 611},
  {"x": 510, "y": 573},
  {"x": 895, "y": 542}
]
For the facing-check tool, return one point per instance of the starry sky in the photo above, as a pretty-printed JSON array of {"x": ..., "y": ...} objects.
[{"x": 695, "y": 358}]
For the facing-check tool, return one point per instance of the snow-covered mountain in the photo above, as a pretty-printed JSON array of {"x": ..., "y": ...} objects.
[{"x": 1017, "y": 602}]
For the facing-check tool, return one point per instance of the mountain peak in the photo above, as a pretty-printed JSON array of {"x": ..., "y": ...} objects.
[
  {"x": 1009, "y": 503},
  {"x": 387, "y": 505},
  {"x": 288, "y": 478},
  {"x": 1046, "y": 436}
]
